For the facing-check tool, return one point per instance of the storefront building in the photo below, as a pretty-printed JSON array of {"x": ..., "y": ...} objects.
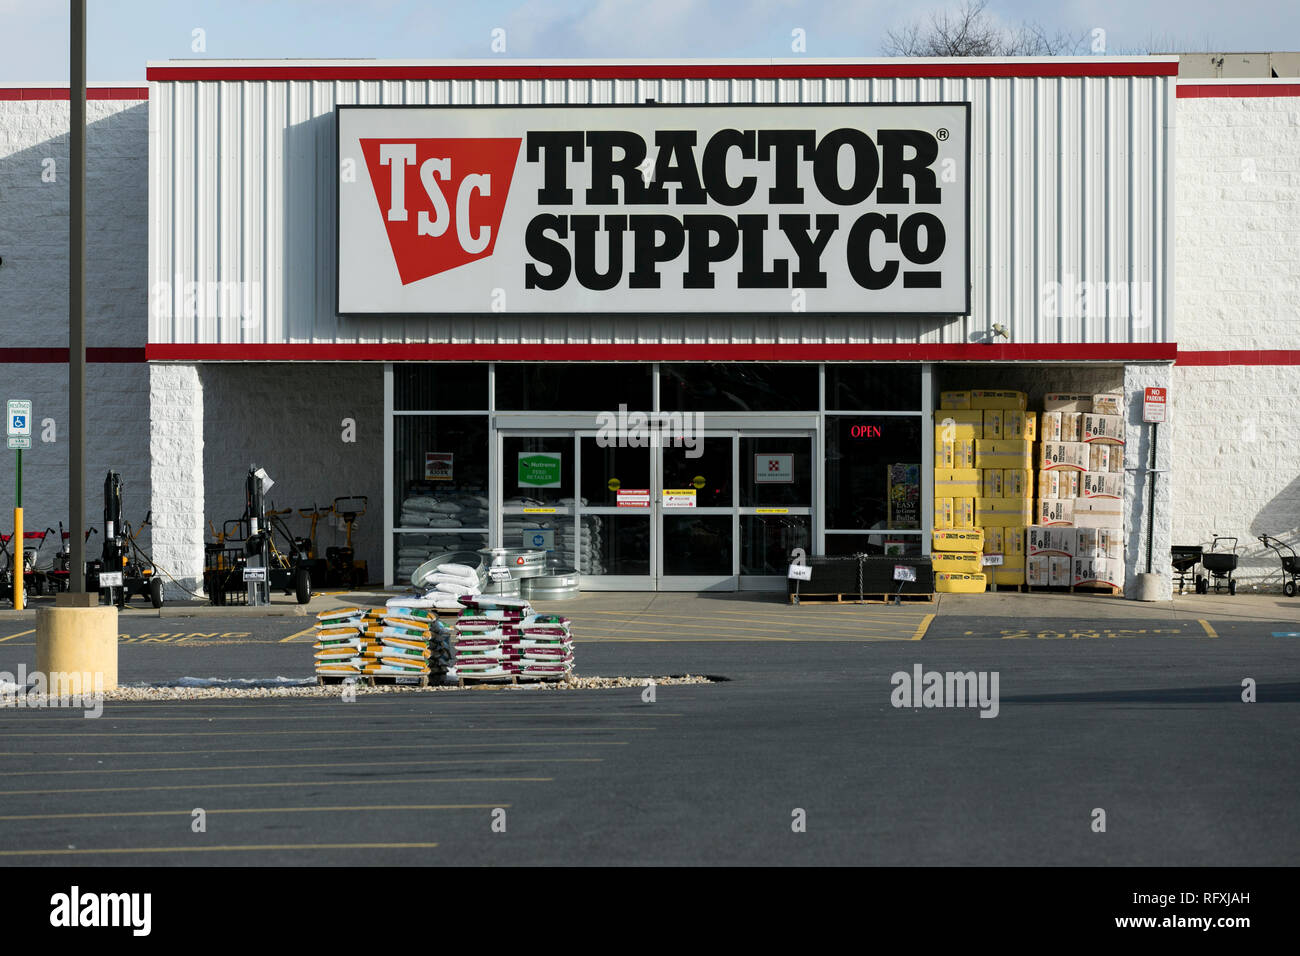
[{"x": 672, "y": 391}]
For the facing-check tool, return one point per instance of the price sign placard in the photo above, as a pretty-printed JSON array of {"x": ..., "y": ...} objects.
[
  {"x": 904, "y": 572},
  {"x": 799, "y": 572},
  {"x": 992, "y": 560},
  {"x": 254, "y": 575},
  {"x": 497, "y": 575}
]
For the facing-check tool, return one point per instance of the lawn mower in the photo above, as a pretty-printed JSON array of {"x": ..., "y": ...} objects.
[
  {"x": 9, "y": 568},
  {"x": 1221, "y": 565},
  {"x": 1290, "y": 563},
  {"x": 123, "y": 569},
  {"x": 344, "y": 570},
  {"x": 63, "y": 558}
]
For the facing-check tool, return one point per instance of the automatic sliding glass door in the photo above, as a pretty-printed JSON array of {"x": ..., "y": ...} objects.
[{"x": 696, "y": 501}]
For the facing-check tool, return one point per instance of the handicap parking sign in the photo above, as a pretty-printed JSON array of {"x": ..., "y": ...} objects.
[{"x": 19, "y": 418}]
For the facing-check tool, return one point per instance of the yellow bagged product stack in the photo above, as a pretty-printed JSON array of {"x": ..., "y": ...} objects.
[
  {"x": 958, "y": 583},
  {"x": 338, "y": 644},
  {"x": 968, "y": 540}
]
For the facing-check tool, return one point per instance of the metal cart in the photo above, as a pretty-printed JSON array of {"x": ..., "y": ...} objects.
[
  {"x": 1290, "y": 562},
  {"x": 1185, "y": 559},
  {"x": 1220, "y": 565}
]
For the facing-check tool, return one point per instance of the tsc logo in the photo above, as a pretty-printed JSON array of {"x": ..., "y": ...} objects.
[{"x": 441, "y": 199}]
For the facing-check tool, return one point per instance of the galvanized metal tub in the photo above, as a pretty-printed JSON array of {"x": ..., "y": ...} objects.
[
  {"x": 556, "y": 584},
  {"x": 522, "y": 562},
  {"x": 471, "y": 559}
]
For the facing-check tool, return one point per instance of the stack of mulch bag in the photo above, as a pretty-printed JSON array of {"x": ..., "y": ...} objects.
[
  {"x": 339, "y": 642},
  {"x": 396, "y": 641},
  {"x": 504, "y": 637}
]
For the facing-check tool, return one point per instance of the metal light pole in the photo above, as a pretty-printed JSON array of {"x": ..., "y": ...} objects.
[{"x": 77, "y": 302}]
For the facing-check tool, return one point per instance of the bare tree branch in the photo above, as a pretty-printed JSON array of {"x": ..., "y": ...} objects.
[{"x": 969, "y": 30}]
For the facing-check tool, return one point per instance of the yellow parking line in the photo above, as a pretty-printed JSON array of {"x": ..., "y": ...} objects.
[
  {"x": 303, "y": 766},
  {"x": 249, "y": 847},
  {"x": 305, "y": 630},
  {"x": 923, "y": 627},
  {"x": 19, "y": 634},
  {"x": 186, "y": 813},
  {"x": 1209, "y": 631},
  {"x": 278, "y": 783},
  {"x": 848, "y": 620},
  {"x": 744, "y": 634}
]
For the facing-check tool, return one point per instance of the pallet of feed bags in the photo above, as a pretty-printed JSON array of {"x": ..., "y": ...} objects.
[
  {"x": 504, "y": 638},
  {"x": 394, "y": 644}
]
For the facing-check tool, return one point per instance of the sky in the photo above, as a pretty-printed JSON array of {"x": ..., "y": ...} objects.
[{"x": 124, "y": 35}]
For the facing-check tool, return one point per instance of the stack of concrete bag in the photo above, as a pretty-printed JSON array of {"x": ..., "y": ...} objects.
[
  {"x": 955, "y": 555},
  {"x": 505, "y": 637},
  {"x": 983, "y": 444},
  {"x": 1081, "y": 483}
]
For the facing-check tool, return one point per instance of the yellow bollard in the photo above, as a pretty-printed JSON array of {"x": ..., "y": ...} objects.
[
  {"x": 73, "y": 641},
  {"x": 18, "y": 559}
]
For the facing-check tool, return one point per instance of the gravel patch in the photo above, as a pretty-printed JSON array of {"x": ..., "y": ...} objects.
[{"x": 138, "y": 693}]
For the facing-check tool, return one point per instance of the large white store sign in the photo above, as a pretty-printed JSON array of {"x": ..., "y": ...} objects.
[{"x": 732, "y": 209}]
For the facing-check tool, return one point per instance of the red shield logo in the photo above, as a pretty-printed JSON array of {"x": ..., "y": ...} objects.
[{"x": 441, "y": 199}]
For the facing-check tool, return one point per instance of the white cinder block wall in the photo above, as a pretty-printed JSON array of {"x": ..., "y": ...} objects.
[
  {"x": 34, "y": 196},
  {"x": 1236, "y": 468}
]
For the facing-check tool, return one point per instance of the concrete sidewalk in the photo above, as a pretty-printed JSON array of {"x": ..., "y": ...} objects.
[{"x": 1002, "y": 604}]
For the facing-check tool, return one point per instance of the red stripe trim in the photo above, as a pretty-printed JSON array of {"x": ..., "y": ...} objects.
[
  {"x": 974, "y": 67},
  {"x": 1242, "y": 357},
  {"x": 1195, "y": 91},
  {"x": 39, "y": 356},
  {"x": 62, "y": 93},
  {"x": 398, "y": 352}
]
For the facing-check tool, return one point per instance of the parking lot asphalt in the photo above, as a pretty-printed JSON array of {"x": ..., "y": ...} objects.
[{"x": 1142, "y": 720}]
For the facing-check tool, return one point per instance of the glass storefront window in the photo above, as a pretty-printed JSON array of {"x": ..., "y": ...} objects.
[
  {"x": 607, "y": 470},
  {"x": 537, "y": 470},
  {"x": 776, "y": 471},
  {"x": 870, "y": 386},
  {"x": 572, "y": 387},
  {"x": 620, "y": 545},
  {"x": 737, "y": 387},
  {"x": 709, "y": 472},
  {"x": 428, "y": 387},
  {"x": 841, "y": 544},
  {"x": 697, "y": 544},
  {"x": 766, "y": 542},
  {"x": 873, "y": 472},
  {"x": 440, "y": 472}
]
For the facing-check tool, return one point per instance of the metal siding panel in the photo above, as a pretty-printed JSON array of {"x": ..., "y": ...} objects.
[{"x": 1066, "y": 182}]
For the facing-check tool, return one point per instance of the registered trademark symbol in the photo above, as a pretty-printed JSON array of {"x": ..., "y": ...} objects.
[{"x": 942, "y": 134}]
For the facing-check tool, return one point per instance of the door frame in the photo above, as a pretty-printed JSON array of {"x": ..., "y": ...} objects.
[{"x": 573, "y": 429}]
